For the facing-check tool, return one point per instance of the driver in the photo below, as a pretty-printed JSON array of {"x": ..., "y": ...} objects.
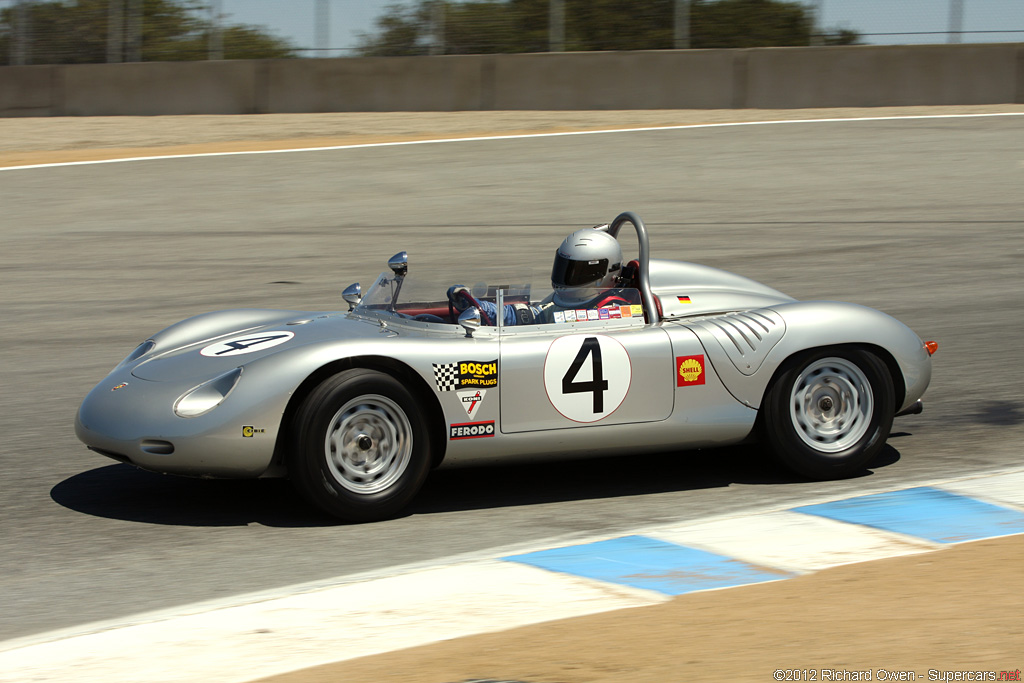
[{"x": 586, "y": 274}]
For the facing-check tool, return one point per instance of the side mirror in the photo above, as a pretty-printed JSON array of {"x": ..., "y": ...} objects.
[
  {"x": 352, "y": 295},
  {"x": 470, "y": 320},
  {"x": 399, "y": 264}
]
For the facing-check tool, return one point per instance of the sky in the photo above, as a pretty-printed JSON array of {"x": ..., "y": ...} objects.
[
  {"x": 296, "y": 19},
  {"x": 915, "y": 21}
]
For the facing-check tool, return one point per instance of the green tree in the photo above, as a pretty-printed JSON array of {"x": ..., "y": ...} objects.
[
  {"x": 620, "y": 24},
  {"x": 750, "y": 23},
  {"x": 477, "y": 27},
  {"x": 75, "y": 32},
  {"x": 522, "y": 26}
]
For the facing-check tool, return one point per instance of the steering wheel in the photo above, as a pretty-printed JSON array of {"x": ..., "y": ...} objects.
[{"x": 464, "y": 293}]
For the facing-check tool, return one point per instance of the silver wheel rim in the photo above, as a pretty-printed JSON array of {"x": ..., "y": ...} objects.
[
  {"x": 368, "y": 444},
  {"x": 831, "y": 405}
]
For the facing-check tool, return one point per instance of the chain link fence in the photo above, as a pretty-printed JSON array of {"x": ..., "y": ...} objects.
[{"x": 84, "y": 31}]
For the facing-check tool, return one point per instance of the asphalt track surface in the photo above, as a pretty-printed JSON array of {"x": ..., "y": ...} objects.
[{"x": 919, "y": 218}]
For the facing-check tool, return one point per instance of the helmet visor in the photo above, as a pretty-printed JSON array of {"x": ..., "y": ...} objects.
[{"x": 569, "y": 273}]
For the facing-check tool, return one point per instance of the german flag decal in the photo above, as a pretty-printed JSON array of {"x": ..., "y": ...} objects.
[{"x": 684, "y": 299}]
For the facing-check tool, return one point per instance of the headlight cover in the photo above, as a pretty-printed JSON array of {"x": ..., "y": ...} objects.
[
  {"x": 208, "y": 395},
  {"x": 140, "y": 351}
]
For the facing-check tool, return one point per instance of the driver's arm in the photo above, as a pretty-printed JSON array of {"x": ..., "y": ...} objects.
[{"x": 513, "y": 314}]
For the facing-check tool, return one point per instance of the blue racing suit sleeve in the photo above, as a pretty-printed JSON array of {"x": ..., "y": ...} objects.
[
  {"x": 509, "y": 314},
  {"x": 490, "y": 309}
]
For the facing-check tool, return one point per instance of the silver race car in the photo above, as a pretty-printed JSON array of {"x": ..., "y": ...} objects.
[{"x": 356, "y": 407}]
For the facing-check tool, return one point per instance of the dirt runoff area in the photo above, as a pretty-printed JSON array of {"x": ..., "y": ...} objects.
[{"x": 954, "y": 614}]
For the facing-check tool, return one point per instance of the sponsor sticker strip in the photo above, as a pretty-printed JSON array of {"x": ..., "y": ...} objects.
[{"x": 606, "y": 313}]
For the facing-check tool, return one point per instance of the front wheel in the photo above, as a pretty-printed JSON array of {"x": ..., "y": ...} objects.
[
  {"x": 360, "y": 450},
  {"x": 828, "y": 412}
]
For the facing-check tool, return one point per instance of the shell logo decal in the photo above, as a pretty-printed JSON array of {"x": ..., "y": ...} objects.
[{"x": 689, "y": 370}]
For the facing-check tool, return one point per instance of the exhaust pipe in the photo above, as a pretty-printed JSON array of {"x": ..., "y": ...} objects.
[{"x": 915, "y": 409}]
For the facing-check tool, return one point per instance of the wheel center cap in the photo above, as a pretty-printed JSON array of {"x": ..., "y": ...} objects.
[
  {"x": 826, "y": 403},
  {"x": 364, "y": 442}
]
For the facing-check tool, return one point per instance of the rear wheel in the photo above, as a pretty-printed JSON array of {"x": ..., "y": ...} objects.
[
  {"x": 361, "y": 450},
  {"x": 828, "y": 412}
]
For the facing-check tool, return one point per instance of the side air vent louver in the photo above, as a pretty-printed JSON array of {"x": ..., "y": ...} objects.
[{"x": 746, "y": 337}]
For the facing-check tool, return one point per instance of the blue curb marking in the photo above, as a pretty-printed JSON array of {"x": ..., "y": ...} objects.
[
  {"x": 924, "y": 512},
  {"x": 651, "y": 564}
]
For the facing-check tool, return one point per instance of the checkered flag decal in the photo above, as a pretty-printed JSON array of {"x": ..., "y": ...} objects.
[{"x": 446, "y": 376}]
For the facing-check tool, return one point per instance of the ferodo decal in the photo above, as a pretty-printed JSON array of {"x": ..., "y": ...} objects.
[
  {"x": 471, "y": 430},
  {"x": 586, "y": 376},
  {"x": 471, "y": 401},
  {"x": 247, "y": 343},
  {"x": 466, "y": 374},
  {"x": 689, "y": 370}
]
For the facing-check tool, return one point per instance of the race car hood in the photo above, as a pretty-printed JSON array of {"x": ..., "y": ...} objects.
[{"x": 208, "y": 344}]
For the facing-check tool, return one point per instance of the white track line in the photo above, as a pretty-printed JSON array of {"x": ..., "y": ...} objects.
[{"x": 518, "y": 136}]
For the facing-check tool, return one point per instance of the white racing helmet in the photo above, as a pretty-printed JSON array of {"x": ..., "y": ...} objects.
[{"x": 588, "y": 259}]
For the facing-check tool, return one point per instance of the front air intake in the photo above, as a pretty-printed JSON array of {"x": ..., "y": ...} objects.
[{"x": 157, "y": 447}]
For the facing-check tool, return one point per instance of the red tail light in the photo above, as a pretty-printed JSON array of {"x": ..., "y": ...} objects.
[{"x": 931, "y": 346}]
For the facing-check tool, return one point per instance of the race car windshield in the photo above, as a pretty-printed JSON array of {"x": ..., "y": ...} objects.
[
  {"x": 416, "y": 296},
  {"x": 569, "y": 273},
  {"x": 381, "y": 295}
]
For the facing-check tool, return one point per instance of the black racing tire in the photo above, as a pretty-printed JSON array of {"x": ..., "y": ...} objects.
[
  {"x": 360, "y": 448},
  {"x": 827, "y": 412}
]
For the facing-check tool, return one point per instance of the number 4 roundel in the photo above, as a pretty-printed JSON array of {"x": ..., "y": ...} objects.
[
  {"x": 586, "y": 376},
  {"x": 247, "y": 343}
]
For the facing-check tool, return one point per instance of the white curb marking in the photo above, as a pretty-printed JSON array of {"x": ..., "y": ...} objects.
[
  {"x": 791, "y": 541},
  {"x": 275, "y": 636},
  {"x": 299, "y": 627},
  {"x": 1003, "y": 489}
]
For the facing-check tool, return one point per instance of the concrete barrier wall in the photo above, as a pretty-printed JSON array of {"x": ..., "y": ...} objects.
[
  {"x": 855, "y": 76},
  {"x": 374, "y": 84},
  {"x": 697, "y": 79},
  {"x": 152, "y": 88},
  {"x": 883, "y": 76},
  {"x": 29, "y": 91}
]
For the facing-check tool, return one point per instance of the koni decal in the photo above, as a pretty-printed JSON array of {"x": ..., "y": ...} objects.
[{"x": 471, "y": 401}]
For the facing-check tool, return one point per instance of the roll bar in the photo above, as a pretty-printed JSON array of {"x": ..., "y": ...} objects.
[{"x": 644, "y": 276}]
